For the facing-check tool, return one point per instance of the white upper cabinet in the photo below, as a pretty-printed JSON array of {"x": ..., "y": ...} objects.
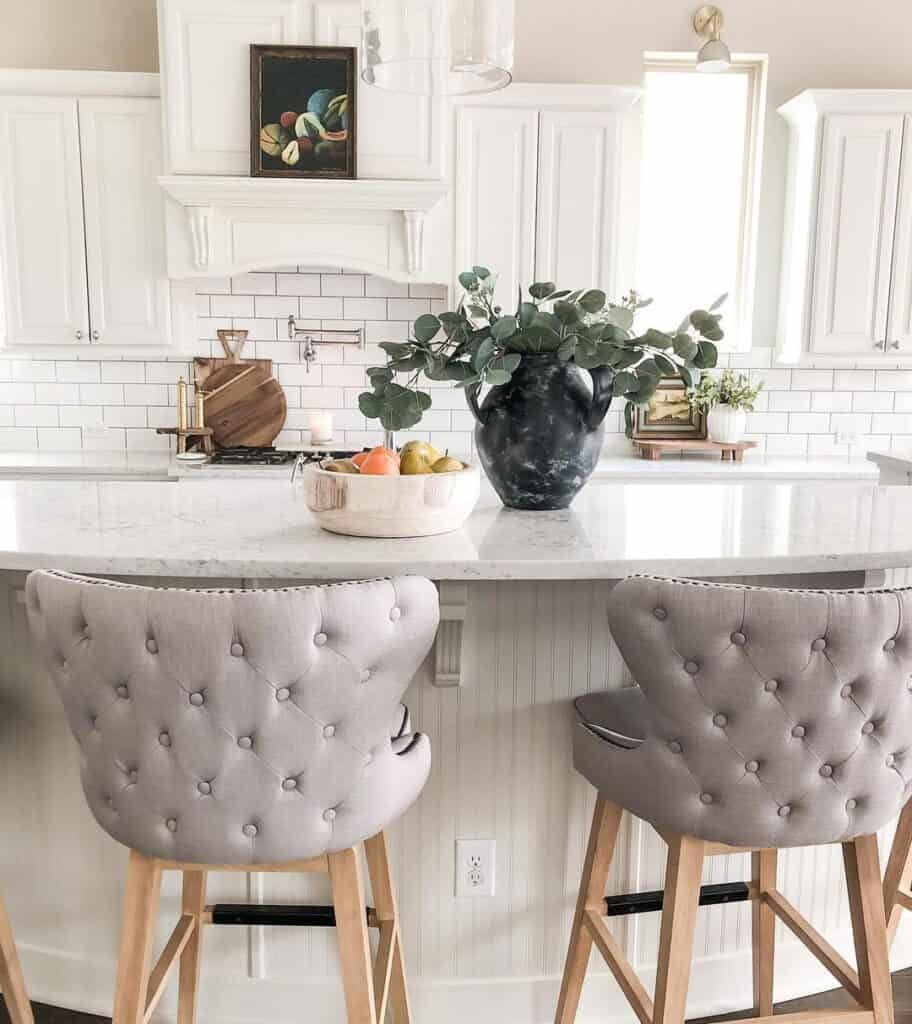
[
  {"x": 44, "y": 266},
  {"x": 859, "y": 182},
  {"x": 578, "y": 178},
  {"x": 124, "y": 224},
  {"x": 205, "y": 63},
  {"x": 538, "y": 185},
  {"x": 847, "y": 255},
  {"x": 82, "y": 215},
  {"x": 497, "y": 154}
]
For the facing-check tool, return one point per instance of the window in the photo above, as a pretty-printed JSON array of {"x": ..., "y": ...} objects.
[{"x": 702, "y": 138}]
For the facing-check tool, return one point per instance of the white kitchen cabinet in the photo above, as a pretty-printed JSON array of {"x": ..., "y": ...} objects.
[
  {"x": 497, "y": 153},
  {"x": 847, "y": 257},
  {"x": 124, "y": 222},
  {"x": 205, "y": 61},
  {"x": 539, "y": 176},
  {"x": 44, "y": 265},
  {"x": 82, "y": 217}
]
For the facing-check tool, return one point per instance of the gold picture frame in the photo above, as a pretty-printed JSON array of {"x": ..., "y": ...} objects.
[{"x": 667, "y": 416}]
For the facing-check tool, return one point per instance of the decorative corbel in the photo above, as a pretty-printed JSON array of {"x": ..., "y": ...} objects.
[
  {"x": 198, "y": 220},
  {"x": 414, "y": 239},
  {"x": 454, "y": 597}
]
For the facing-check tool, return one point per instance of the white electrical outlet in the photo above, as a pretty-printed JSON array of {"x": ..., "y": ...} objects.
[
  {"x": 96, "y": 433},
  {"x": 475, "y": 860},
  {"x": 848, "y": 437}
]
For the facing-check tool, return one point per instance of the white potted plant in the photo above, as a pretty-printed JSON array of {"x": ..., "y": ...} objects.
[{"x": 725, "y": 400}]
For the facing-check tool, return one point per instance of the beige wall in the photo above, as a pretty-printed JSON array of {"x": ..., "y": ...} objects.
[
  {"x": 822, "y": 43},
  {"x": 110, "y": 35}
]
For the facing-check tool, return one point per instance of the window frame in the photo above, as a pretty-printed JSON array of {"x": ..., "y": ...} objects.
[{"x": 754, "y": 66}]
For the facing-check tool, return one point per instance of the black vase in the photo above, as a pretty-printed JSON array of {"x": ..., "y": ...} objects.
[{"x": 539, "y": 437}]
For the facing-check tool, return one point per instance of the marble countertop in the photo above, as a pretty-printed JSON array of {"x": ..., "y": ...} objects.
[{"x": 218, "y": 529}]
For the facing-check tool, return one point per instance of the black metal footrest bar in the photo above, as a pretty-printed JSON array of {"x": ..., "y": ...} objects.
[
  {"x": 279, "y": 914},
  {"x": 649, "y": 902}
]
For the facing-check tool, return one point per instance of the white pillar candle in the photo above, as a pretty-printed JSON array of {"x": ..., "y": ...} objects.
[{"x": 321, "y": 427}]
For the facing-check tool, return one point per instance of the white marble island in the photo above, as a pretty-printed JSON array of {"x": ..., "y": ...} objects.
[{"x": 527, "y": 591}]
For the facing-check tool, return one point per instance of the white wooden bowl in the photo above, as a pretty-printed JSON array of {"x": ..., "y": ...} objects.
[{"x": 390, "y": 506}]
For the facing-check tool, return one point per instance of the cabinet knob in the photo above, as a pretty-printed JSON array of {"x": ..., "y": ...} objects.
[
  {"x": 79, "y": 335},
  {"x": 894, "y": 344},
  {"x": 96, "y": 335}
]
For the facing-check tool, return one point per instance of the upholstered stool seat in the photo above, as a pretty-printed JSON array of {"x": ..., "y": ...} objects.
[
  {"x": 760, "y": 719},
  {"x": 240, "y": 729}
]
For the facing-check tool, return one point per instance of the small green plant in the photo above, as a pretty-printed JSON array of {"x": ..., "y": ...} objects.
[
  {"x": 726, "y": 389},
  {"x": 478, "y": 344}
]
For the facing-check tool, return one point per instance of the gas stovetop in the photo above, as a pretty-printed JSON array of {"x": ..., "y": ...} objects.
[{"x": 272, "y": 456}]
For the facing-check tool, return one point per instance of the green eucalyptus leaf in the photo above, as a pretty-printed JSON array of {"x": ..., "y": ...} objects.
[
  {"x": 426, "y": 327},
  {"x": 566, "y": 312},
  {"x": 459, "y": 371},
  {"x": 409, "y": 363},
  {"x": 495, "y": 377},
  {"x": 685, "y": 346},
  {"x": 568, "y": 349},
  {"x": 468, "y": 280},
  {"x": 482, "y": 273},
  {"x": 707, "y": 356},
  {"x": 542, "y": 289},
  {"x": 527, "y": 312},
  {"x": 396, "y": 349},
  {"x": 504, "y": 328},
  {"x": 511, "y": 362},
  {"x": 719, "y": 302},
  {"x": 593, "y": 300},
  {"x": 665, "y": 364},
  {"x": 564, "y": 293},
  {"x": 379, "y": 373},
  {"x": 623, "y": 383},
  {"x": 620, "y": 316},
  {"x": 628, "y": 419},
  {"x": 370, "y": 405},
  {"x": 658, "y": 339},
  {"x": 648, "y": 368},
  {"x": 483, "y": 353}
]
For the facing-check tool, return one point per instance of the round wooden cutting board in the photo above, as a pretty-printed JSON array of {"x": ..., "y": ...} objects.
[{"x": 245, "y": 404}]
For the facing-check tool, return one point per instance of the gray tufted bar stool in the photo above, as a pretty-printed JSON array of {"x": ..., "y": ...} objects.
[
  {"x": 761, "y": 719},
  {"x": 244, "y": 731}
]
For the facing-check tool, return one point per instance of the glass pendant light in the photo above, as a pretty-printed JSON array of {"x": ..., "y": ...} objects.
[{"x": 437, "y": 47}]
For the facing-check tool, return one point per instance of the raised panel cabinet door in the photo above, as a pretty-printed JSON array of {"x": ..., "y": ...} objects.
[
  {"x": 399, "y": 135},
  {"x": 124, "y": 221},
  {"x": 43, "y": 242},
  {"x": 856, "y": 218},
  {"x": 205, "y": 67},
  {"x": 899, "y": 333},
  {"x": 495, "y": 159},
  {"x": 578, "y": 195}
]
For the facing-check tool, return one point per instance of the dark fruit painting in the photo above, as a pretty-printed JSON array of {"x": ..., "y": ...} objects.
[{"x": 302, "y": 101}]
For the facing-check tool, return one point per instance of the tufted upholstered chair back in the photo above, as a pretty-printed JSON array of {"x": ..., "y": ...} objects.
[
  {"x": 778, "y": 717},
  {"x": 238, "y": 727}
]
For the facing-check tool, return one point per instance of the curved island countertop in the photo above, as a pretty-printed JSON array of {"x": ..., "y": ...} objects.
[{"x": 262, "y": 530}]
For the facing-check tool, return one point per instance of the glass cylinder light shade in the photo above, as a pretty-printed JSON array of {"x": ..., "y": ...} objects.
[{"x": 433, "y": 47}]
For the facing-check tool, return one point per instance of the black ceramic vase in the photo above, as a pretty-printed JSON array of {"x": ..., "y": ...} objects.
[{"x": 539, "y": 437}]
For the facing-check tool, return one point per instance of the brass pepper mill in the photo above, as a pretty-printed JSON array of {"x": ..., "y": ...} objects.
[
  {"x": 200, "y": 408},
  {"x": 182, "y": 404}
]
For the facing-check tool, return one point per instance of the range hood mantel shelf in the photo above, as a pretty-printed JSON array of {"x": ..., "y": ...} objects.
[{"x": 237, "y": 224}]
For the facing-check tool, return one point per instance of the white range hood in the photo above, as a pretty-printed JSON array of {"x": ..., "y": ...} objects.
[{"x": 219, "y": 226}]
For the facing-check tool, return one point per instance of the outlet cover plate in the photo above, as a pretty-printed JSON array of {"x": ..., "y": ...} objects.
[{"x": 475, "y": 867}]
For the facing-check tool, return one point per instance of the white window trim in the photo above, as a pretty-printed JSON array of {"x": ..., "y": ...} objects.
[{"x": 739, "y": 338}]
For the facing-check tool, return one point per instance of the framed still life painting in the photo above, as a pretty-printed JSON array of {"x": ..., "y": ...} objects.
[
  {"x": 667, "y": 416},
  {"x": 302, "y": 111}
]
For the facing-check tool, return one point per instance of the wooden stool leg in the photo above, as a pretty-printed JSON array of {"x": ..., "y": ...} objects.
[
  {"x": 389, "y": 969},
  {"x": 193, "y": 902},
  {"x": 679, "y": 917},
  {"x": 862, "y": 869},
  {"x": 763, "y": 873},
  {"x": 899, "y": 870},
  {"x": 139, "y": 914},
  {"x": 602, "y": 839},
  {"x": 351, "y": 928},
  {"x": 14, "y": 992}
]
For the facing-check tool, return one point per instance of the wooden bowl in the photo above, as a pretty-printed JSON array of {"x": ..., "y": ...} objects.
[{"x": 390, "y": 506}]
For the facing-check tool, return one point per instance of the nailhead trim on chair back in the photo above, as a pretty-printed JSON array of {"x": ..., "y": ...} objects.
[
  {"x": 785, "y": 714},
  {"x": 238, "y": 726}
]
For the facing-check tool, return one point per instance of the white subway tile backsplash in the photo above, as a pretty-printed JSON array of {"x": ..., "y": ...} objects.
[{"x": 118, "y": 403}]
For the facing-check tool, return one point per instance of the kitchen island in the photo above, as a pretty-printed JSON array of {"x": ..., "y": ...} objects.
[{"x": 523, "y": 598}]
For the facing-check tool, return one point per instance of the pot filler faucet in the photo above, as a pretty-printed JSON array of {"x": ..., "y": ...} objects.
[{"x": 355, "y": 336}]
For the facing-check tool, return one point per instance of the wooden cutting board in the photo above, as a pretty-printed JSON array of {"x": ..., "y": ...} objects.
[{"x": 245, "y": 404}]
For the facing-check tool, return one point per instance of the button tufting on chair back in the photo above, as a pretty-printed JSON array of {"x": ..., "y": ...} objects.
[
  {"x": 767, "y": 717},
  {"x": 239, "y": 727}
]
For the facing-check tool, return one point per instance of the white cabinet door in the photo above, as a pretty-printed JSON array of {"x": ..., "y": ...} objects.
[
  {"x": 399, "y": 135},
  {"x": 899, "y": 334},
  {"x": 124, "y": 221},
  {"x": 856, "y": 215},
  {"x": 205, "y": 65},
  {"x": 496, "y": 156},
  {"x": 43, "y": 240},
  {"x": 578, "y": 191}
]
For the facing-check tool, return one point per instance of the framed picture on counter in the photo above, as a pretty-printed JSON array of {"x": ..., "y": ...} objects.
[
  {"x": 668, "y": 415},
  {"x": 302, "y": 111}
]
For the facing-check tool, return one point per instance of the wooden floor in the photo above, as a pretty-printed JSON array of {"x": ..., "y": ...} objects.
[{"x": 902, "y": 994}]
